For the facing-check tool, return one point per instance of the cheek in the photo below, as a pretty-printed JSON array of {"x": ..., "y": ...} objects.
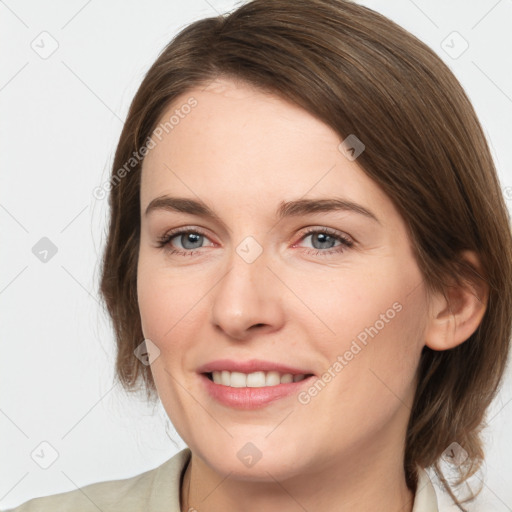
[
  {"x": 169, "y": 304},
  {"x": 397, "y": 351},
  {"x": 377, "y": 321},
  {"x": 159, "y": 309},
  {"x": 163, "y": 310},
  {"x": 353, "y": 304},
  {"x": 152, "y": 301}
]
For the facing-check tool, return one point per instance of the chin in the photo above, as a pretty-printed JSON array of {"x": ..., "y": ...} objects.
[{"x": 253, "y": 461}]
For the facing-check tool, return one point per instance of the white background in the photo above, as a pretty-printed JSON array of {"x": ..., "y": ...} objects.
[{"x": 60, "y": 121}]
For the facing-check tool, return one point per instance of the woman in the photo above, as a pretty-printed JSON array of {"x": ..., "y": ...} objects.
[{"x": 308, "y": 233}]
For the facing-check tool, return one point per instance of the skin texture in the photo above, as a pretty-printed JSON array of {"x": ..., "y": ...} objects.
[{"x": 243, "y": 152}]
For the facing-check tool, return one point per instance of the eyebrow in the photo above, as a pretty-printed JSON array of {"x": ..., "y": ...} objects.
[{"x": 286, "y": 208}]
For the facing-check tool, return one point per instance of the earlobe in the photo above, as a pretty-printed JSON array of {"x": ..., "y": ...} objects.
[{"x": 455, "y": 315}]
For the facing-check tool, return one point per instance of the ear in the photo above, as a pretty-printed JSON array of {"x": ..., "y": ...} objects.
[{"x": 456, "y": 314}]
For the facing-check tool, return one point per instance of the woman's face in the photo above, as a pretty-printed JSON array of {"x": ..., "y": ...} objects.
[{"x": 291, "y": 261}]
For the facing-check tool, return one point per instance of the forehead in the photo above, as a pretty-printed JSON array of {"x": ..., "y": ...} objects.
[{"x": 243, "y": 147}]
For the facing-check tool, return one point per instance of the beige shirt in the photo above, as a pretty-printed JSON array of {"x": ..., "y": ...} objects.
[{"x": 158, "y": 490}]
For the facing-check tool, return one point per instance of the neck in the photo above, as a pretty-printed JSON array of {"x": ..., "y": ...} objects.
[{"x": 375, "y": 484}]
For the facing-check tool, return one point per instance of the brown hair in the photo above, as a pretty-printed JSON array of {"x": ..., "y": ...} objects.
[{"x": 361, "y": 74}]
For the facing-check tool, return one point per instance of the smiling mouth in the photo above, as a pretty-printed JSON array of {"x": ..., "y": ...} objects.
[{"x": 257, "y": 379}]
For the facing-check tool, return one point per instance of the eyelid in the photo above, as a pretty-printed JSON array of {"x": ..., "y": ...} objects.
[
  {"x": 346, "y": 241},
  {"x": 308, "y": 230},
  {"x": 330, "y": 231},
  {"x": 168, "y": 235}
]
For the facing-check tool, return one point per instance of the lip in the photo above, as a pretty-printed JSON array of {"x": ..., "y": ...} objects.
[
  {"x": 250, "y": 366},
  {"x": 251, "y": 398}
]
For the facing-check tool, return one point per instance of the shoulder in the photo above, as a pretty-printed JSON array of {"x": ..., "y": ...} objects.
[{"x": 153, "y": 491}]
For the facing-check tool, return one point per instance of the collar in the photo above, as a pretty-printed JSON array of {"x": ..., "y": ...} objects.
[{"x": 425, "y": 498}]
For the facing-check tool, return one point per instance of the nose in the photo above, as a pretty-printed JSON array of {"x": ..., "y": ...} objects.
[{"x": 247, "y": 299}]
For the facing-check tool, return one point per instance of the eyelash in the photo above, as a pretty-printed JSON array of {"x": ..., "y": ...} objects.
[{"x": 164, "y": 241}]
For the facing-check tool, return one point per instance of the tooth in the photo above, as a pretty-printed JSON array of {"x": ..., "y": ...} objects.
[
  {"x": 225, "y": 378},
  {"x": 272, "y": 379},
  {"x": 256, "y": 380},
  {"x": 238, "y": 380}
]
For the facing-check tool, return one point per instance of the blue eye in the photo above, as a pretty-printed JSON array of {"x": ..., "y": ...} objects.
[
  {"x": 326, "y": 238},
  {"x": 189, "y": 239},
  {"x": 324, "y": 241}
]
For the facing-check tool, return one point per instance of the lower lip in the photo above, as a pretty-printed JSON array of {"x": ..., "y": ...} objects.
[{"x": 251, "y": 398}]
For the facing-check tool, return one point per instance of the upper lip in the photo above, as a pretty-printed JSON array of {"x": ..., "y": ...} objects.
[{"x": 250, "y": 366}]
